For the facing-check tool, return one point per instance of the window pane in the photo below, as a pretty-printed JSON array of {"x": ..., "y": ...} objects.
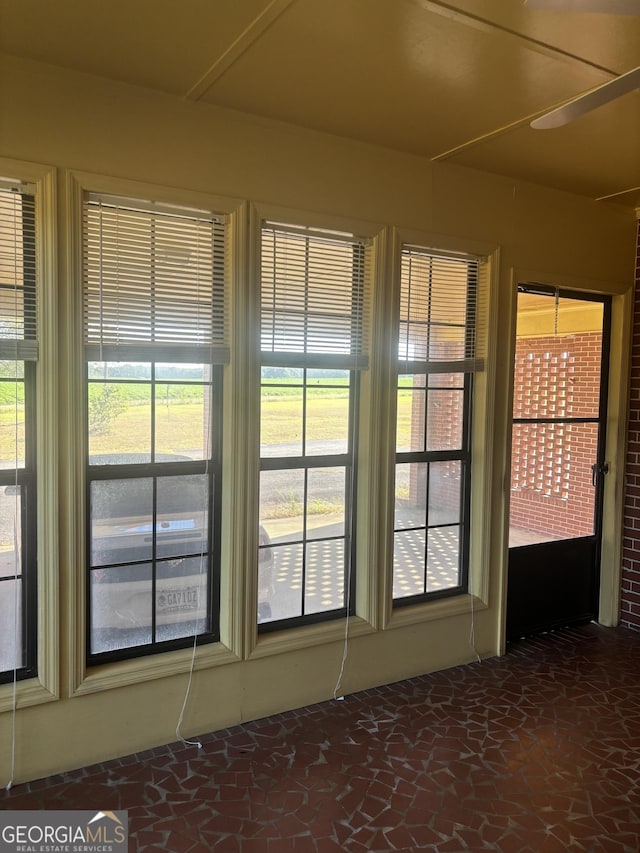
[
  {"x": 181, "y": 598},
  {"x": 444, "y": 420},
  {"x": 282, "y": 505},
  {"x": 137, "y": 370},
  {"x": 411, "y": 495},
  {"x": 325, "y": 502},
  {"x": 11, "y": 650},
  {"x": 183, "y": 422},
  {"x": 327, "y": 377},
  {"x": 121, "y": 521},
  {"x": 10, "y": 531},
  {"x": 119, "y": 418},
  {"x": 410, "y": 414},
  {"x": 182, "y": 515},
  {"x": 121, "y": 607},
  {"x": 327, "y": 421},
  {"x": 266, "y": 578},
  {"x": 445, "y": 494},
  {"x": 12, "y": 423},
  {"x": 281, "y": 420},
  {"x": 408, "y": 563},
  {"x": 443, "y": 558},
  {"x": 12, "y": 369},
  {"x": 446, "y": 380},
  {"x": 183, "y": 372},
  {"x": 324, "y": 582},
  {"x": 282, "y": 599},
  {"x": 282, "y": 375}
]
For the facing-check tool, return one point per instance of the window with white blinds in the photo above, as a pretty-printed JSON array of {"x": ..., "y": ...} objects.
[
  {"x": 437, "y": 357},
  {"x": 18, "y": 504},
  {"x": 312, "y": 298},
  {"x": 155, "y": 341},
  {"x": 154, "y": 282},
  {"x": 17, "y": 272},
  {"x": 438, "y": 316},
  {"x": 314, "y": 344}
]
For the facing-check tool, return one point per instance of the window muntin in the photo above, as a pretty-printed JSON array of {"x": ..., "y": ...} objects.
[
  {"x": 436, "y": 361},
  {"x": 313, "y": 340},
  {"x": 154, "y": 343},
  {"x": 18, "y": 356}
]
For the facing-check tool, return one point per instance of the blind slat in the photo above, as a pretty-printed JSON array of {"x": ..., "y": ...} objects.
[
  {"x": 153, "y": 281},
  {"x": 313, "y": 287},
  {"x": 18, "y": 327},
  {"x": 438, "y": 322}
]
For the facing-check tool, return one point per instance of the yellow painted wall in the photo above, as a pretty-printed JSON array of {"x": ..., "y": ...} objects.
[{"x": 79, "y": 122}]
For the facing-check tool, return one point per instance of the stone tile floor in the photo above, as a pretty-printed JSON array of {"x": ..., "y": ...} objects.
[{"x": 534, "y": 752}]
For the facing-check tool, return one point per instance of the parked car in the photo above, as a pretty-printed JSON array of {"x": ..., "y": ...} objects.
[{"x": 123, "y": 541}]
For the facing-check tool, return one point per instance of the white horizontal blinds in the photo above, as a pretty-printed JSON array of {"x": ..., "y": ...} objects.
[
  {"x": 154, "y": 280},
  {"x": 438, "y": 312},
  {"x": 17, "y": 272},
  {"x": 313, "y": 298}
]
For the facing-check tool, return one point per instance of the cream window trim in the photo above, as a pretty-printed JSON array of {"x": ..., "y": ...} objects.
[
  {"x": 304, "y": 637},
  {"x": 45, "y": 686},
  {"x": 137, "y": 670},
  {"x": 81, "y": 679},
  {"x": 248, "y": 429},
  {"x": 481, "y": 537},
  {"x": 443, "y": 608},
  {"x": 376, "y": 451}
]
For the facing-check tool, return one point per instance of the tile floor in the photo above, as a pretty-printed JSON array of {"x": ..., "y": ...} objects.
[{"x": 535, "y": 752}]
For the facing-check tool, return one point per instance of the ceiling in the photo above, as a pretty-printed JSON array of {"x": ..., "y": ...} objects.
[{"x": 455, "y": 81}]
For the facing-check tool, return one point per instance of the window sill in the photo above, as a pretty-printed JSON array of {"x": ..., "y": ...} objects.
[
  {"x": 124, "y": 673},
  {"x": 429, "y": 611},
  {"x": 28, "y": 693},
  {"x": 294, "y": 639}
]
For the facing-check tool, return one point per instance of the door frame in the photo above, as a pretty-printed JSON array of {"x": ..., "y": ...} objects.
[
  {"x": 556, "y": 582},
  {"x": 616, "y": 434}
]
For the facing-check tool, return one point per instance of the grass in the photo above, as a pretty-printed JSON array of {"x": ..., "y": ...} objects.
[
  {"x": 179, "y": 420},
  {"x": 179, "y": 429}
]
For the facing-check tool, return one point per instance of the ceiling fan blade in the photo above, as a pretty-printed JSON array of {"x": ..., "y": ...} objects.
[
  {"x": 589, "y": 101},
  {"x": 609, "y": 7}
]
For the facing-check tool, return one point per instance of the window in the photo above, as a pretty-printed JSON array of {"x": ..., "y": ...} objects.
[
  {"x": 18, "y": 356},
  {"x": 312, "y": 343},
  {"x": 154, "y": 331},
  {"x": 436, "y": 362}
]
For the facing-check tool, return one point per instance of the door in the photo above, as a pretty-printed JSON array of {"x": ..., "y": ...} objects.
[{"x": 557, "y": 464}]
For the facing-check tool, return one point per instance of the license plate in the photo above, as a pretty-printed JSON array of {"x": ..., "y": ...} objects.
[{"x": 178, "y": 600}]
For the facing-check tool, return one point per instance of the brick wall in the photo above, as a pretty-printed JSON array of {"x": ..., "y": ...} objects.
[
  {"x": 630, "y": 604},
  {"x": 551, "y": 488}
]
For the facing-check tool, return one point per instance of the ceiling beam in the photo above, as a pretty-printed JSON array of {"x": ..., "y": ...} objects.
[
  {"x": 446, "y": 10},
  {"x": 250, "y": 34}
]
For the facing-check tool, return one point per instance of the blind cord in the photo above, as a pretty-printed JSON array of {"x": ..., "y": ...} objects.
[
  {"x": 207, "y": 439},
  {"x": 345, "y": 649},
  {"x": 16, "y": 508}
]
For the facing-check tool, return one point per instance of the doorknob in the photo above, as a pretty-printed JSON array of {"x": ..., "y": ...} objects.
[{"x": 596, "y": 469}]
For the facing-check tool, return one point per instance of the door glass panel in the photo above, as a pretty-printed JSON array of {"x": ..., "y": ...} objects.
[
  {"x": 556, "y": 384},
  {"x": 552, "y": 494}
]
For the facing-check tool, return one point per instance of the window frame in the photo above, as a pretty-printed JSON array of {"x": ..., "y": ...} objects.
[
  {"x": 475, "y": 598},
  {"x": 23, "y": 480},
  {"x": 364, "y": 620},
  {"x": 84, "y": 678},
  {"x": 306, "y": 360},
  {"x": 39, "y": 682},
  {"x": 427, "y": 368},
  {"x": 152, "y": 353}
]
